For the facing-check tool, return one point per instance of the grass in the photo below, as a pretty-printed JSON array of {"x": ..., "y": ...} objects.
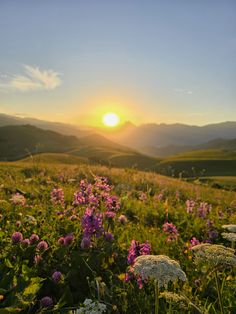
[{"x": 148, "y": 200}]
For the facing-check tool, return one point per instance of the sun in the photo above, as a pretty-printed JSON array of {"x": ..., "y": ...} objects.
[{"x": 111, "y": 119}]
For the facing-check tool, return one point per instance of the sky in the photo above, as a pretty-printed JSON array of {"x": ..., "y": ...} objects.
[{"x": 152, "y": 61}]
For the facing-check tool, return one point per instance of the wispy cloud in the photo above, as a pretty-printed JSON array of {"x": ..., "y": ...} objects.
[
  {"x": 32, "y": 79},
  {"x": 183, "y": 91}
]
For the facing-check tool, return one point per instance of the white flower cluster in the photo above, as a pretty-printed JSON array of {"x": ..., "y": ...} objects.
[
  {"x": 159, "y": 267},
  {"x": 214, "y": 255},
  {"x": 92, "y": 307},
  {"x": 230, "y": 236},
  {"x": 174, "y": 298},
  {"x": 230, "y": 228},
  {"x": 31, "y": 220}
]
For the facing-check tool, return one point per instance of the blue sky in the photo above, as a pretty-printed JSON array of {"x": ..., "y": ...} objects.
[{"x": 149, "y": 61}]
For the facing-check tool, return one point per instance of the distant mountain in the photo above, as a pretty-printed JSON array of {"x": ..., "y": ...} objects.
[
  {"x": 164, "y": 135},
  {"x": 173, "y": 150},
  {"x": 63, "y": 128},
  {"x": 19, "y": 141}
]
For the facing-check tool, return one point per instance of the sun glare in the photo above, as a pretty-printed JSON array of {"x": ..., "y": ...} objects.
[{"x": 111, "y": 119}]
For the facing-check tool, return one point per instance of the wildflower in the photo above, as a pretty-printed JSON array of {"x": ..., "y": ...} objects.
[
  {"x": 68, "y": 239},
  {"x": 61, "y": 241},
  {"x": 229, "y": 236},
  {"x": 171, "y": 230},
  {"x": 42, "y": 246},
  {"x": 57, "y": 196},
  {"x": 18, "y": 223},
  {"x": 25, "y": 242},
  {"x": 18, "y": 199},
  {"x": 31, "y": 220},
  {"x": 92, "y": 224},
  {"x": 112, "y": 203},
  {"x": 34, "y": 238},
  {"x": 159, "y": 267},
  {"x": 16, "y": 237},
  {"x": 194, "y": 241},
  {"x": 136, "y": 250},
  {"x": 143, "y": 197},
  {"x": 46, "y": 302},
  {"x": 122, "y": 219},
  {"x": 57, "y": 276},
  {"x": 190, "y": 204},
  {"x": 158, "y": 197},
  {"x": 102, "y": 184},
  {"x": 214, "y": 255},
  {"x": 91, "y": 307},
  {"x": 203, "y": 210},
  {"x": 175, "y": 298},
  {"x": 85, "y": 243},
  {"x": 231, "y": 228},
  {"x": 109, "y": 236},
  {"x": 37, "y": 259},
  {"x": 110, "y": 214}
]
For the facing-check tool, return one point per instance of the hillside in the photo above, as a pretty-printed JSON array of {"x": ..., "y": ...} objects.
[{"x": 19, "y": 141}]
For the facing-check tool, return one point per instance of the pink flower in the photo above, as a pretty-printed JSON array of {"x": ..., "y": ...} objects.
[{"x": 16, "y": 237}]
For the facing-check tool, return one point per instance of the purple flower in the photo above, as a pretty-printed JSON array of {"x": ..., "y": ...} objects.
[
  {"x": 57, "y": 276},
  {"x": 112, "y": 203},
  {"x": 194, "y": 241},
  {"x": 190, "y": 204},
  {"x": 102, "y": 184},
  {"x": 171, "y": 230},
  {"x": 68, "y": 239},
  {"x": 203, "y": 210},
  {"x": 136, "y": 250},
  {"x": 110, "y": 214},
  {"x": 25, "y": 242},
  {"x": 122, "y": 219},
  {"x": 42, "y": 246},
  {"x": 109, "y": 236},
  {"x": 57, "y": 196},
  {"x": 85, "y": 243},
  {"x": 92, "y": 224},
  {"x": 16, "y": 237},
  {"x": 34, "y": 238},
  {"x": 46, "y": 302},
  {"x": 212, "y": 234}
]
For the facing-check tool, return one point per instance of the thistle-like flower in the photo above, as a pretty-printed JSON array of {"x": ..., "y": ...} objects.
[
  {"x": 214, "y": 255},
  {"x": 158, "y": 267},
  {"x": 231, "y": 228}
]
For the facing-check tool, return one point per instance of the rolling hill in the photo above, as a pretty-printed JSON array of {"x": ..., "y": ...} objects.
[{"x": 20, "y": 141}]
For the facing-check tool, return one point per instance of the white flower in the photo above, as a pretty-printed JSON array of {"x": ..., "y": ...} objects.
[
  {"x": 214, "y": 255},
  {"x": 159, "y": 267},
  {"x": 229, "y": 236},
  {"x": 231, "y": 228},
  {"x": 92, "y": 307},
  {"x": 31, "y": 220}
]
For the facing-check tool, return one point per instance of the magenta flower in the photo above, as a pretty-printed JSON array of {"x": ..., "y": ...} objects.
[
  {"x": 171, "y": 230},
  {"x": 85, "y": 243},
  {"x": 92, "y": 224},
  {"x": 194, "y": 241},
  {"x": 42, "y": 246},
  {"x": 25, "y": 242},
  {"x": 46, "y": 302},
  {"x": 61, "y": 241},
  {"x": 102, "y": 184},
  {"x": 18, "y": 199},
  {"x": 110, "y": 214},
  {"x": 34, "y": 238},
  {"x": 112, "y": 203},
  {"x": 122, "y": 219},
  {"x": 109, "y": 236},
  {"x": 16, "y": 237},
  {"x": 68, "y": 239},
  {"x": 190, "y": 204},
  {"x": 57, "y": 276},
  {"x": 57, "y": 196},
  {"x": 136, "y": 250}
]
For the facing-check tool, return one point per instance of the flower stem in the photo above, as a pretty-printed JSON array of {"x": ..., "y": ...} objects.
[
  {"x": 219, "y": 293},
  {"x": 156, "y": 298}
]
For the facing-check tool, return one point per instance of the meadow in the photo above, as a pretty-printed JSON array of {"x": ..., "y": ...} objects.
[{"x": 72, "y": 235}]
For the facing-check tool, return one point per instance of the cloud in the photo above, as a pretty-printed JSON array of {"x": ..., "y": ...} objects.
[
  {"x": 183, "y": 91},
  {"x": 33, "y": 79}
]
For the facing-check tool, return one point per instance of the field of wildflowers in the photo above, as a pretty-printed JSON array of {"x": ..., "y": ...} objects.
[{"x": 91, "y": 239}]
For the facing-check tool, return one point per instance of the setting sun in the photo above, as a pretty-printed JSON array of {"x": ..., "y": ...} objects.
[{"x": 111, "y": 119}]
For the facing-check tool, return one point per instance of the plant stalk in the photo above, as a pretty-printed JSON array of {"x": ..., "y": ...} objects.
[{"x": 219, "y": 293}]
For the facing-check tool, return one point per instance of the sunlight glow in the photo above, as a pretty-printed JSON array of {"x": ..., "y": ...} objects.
[{"x": 111, "y": 119}]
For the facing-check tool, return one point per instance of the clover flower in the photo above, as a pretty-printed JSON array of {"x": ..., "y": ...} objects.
[
  {"x": 158, "y": 267},
  {"x": 16, "y": 237},
  {"x": 57, "y": 196},
  {"x": 91, "y": 307},
  {"x": 57, "y": 276},
  {"x": 61, "y": 241},
  {"x": 231, "y": 228},
  {"x": 194, "y": 241},
  {"x": 123, "y": 219},
  {"x": 42, "y": 246},
  {"x": 214, "y": 255},
  {"x": 171, "y": 230},
  {"x": 46, "y": 302},
  {"x": 18, "y": 199},
  {"x": 25, "y": 242},
  {"x": 229, "y": 236},
  {"x": 68, "y": 239}
]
